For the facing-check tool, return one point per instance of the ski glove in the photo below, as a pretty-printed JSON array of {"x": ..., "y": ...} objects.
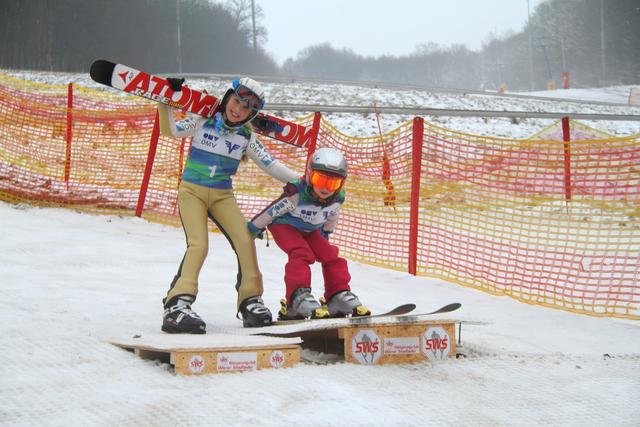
[
  {"x": 263, "y": 124},
  {"x": 175, "y": 83},
  {"x": 255, "y": 231}
]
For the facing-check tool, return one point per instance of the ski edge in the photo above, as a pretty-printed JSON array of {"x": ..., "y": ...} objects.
[
  {"x": 405, "y": 316},
  {"x": 444, "y": 309},
  {"x": 397, "y": 311}
]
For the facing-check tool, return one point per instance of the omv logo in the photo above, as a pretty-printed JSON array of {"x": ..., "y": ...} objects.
[
  {"x": 210, "y": 137},
  {"x": 231, "y": 146}
]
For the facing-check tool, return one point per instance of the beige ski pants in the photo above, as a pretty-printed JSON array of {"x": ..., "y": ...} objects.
[{"x": 197, "y": 204}]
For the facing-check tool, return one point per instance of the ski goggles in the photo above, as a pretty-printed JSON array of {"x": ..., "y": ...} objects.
[
  {"x": 245, "y": 94},
  {"x": 325, "y": 181}
]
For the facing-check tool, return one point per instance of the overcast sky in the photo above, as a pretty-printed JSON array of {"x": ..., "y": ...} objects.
[{"x": 396, "y": 27}]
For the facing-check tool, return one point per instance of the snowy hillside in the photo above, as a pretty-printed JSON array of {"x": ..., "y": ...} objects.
[
  {"x": 366, "y": 125},
  {"x": 71, "y": 282}
]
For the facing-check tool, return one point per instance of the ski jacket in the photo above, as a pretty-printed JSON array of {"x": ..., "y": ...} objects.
[
  {"x": 298, "y": 208},
  {"x": 215, "y": 156}
]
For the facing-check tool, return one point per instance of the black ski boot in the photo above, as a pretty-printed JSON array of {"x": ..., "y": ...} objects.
[
  {"x": 180, "y": 319},
  {"x": 254, "y": 313}
]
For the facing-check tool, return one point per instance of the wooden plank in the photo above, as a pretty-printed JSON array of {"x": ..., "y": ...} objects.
[
  {"x": 207, "y": 362},
  {"x": 212, "y": 353}
]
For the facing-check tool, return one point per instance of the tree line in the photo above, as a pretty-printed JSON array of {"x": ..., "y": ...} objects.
[
  {"x": 596, "y": 42},
  {"x": 154, "y": 35}
]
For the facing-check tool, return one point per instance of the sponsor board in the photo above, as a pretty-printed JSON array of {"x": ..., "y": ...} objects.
[
  {"x": 237, "y": 362},
  {"x": 401, "y": 345},
  {"x": 196, "y": 364},
  {"x": 277, "y": 359},
  {"x": 436, "y": 343},
  {"x": 366, "y": 347}
]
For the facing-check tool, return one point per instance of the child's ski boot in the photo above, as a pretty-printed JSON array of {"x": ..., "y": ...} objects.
[
  {"x": 254, "y": 313},
  {"x": 180, "y": 319},
  {"x": 346, "y": 303},
  {"x": 303, "y": 306}
]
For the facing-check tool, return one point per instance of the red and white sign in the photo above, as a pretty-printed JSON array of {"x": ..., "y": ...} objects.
[
  {"x": 436, "y": 343},
  {"x": 237, "y": 362},
  {"x": 277, "y": 359},
  {"x": 366, "y": 347},
  {"x": 196, "y": 364},
  {"x": 401, "y": 345}
]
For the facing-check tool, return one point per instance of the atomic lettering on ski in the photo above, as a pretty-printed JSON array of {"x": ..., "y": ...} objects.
[
  {"x": 157, "y": 89},
  {"x": 291, "y": 133}
]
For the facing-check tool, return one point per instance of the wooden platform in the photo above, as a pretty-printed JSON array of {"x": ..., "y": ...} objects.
[
  {"x": 213, "y": 353},
  {"x": 380, "y": 343}
]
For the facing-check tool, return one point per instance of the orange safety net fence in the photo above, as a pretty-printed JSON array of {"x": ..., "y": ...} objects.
[
  {"x": 542, "y": 221},
  {"x": 99, "y": 170}
]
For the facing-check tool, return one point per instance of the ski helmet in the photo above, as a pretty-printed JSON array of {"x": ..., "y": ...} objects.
[
  {"x": 246, "y": 90},
  {"x": 327, "y": 169}
]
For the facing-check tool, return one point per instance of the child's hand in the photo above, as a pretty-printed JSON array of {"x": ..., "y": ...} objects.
[
  {"x": 255, "y": 231},
  {"x": 175, "y": 83},
  {"x": 264, "y": 124}
]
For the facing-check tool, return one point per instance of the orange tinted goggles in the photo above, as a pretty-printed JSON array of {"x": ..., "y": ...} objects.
[{"x": 325, "y": 181}]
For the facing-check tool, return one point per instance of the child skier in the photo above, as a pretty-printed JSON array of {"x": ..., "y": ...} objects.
[
  {"x": 301, "y": 220},
  {"x": 206, "y": 191}
]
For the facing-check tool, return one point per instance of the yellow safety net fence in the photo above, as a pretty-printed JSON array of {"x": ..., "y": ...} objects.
[{"x": 540, "y": 220}]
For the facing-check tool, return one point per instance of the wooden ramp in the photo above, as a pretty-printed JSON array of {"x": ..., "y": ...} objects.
[
  {"x": 405, "y": 339},
  {"x": 213, "y": 353},
  {"x": 399, "y": 342}
]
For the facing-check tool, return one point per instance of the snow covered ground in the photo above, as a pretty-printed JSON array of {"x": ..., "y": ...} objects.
[{"x": 72, "y": 282}]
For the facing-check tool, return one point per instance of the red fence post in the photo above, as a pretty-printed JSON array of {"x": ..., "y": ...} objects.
[
  {"x": 67, "y": 160},
  {"x": 566, "y": 137},
  {"x": 414, "y": 214},
  {"x": 565, "y": 80},
  {"x": 153, "y": 145}
]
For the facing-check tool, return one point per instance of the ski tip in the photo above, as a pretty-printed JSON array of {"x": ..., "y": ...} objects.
[
  {"x": 405, "y": 307},
  {"x": 451, "y": 307},
  {"x": 101, "y": 71}
]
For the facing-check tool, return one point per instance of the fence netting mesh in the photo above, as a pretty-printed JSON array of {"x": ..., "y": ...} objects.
[{"x": 542, "y": 221}]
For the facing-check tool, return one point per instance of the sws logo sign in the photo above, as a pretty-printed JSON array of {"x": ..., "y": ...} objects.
[
  {"x": 436, "y": 343},
  {"x": 366, "y": 347}
]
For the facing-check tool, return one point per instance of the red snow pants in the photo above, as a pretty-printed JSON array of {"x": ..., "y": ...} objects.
[{"x": 303, "y": 250}]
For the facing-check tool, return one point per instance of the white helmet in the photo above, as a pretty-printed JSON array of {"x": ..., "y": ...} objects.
[
  {"x": 332, "y": 163},
  {"x": 329, "y": 160},
  {"x": 249, "y": 91}
]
